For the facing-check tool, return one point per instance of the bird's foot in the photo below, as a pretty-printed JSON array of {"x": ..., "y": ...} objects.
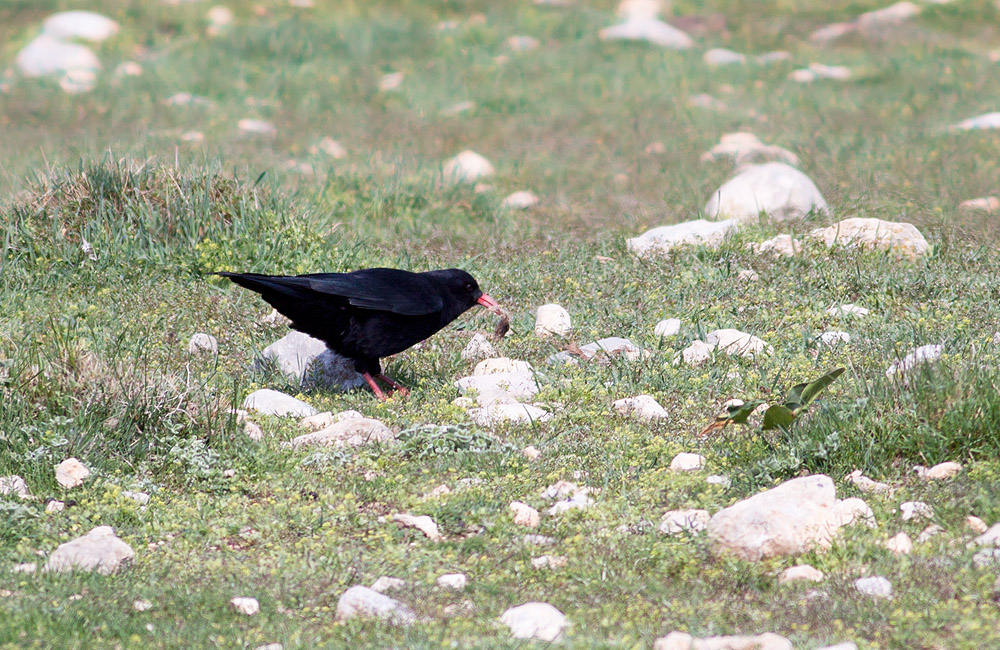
[
  {"x": 375, "y": 389},
  {"x": 398, "y": 388}
]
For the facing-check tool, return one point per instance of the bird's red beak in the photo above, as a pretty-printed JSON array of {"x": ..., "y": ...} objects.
[{"x": 489, "y": 303}]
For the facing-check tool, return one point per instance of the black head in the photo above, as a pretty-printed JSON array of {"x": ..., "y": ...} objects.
[{"x": 461, "y": 292}]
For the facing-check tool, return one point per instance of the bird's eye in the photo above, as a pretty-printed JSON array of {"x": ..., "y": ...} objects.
[{"x": 469, "y": 287}]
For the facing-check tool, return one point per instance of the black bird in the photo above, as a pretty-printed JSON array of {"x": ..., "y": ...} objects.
[{"x": 368, "y": 314}]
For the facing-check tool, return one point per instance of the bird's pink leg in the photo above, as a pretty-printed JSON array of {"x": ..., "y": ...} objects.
[
  {"x": 401, "y": 389},
  {"x": 375, "y": 389}
]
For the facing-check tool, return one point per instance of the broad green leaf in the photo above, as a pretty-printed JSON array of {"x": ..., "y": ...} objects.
[
  {"x": 814, "y": 388},
  {"x": 739, "y": 414},
  {"x": 795, "y": 393},
  {"x": 778, "y": 416}
]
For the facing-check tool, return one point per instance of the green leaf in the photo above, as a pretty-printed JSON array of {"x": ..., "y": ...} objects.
[
  {"x": 795, "y": 393},
  {"x": 778, "y": 416},
  {"x": 739, "y": 414},
  {"x": 812, "y": 389}
]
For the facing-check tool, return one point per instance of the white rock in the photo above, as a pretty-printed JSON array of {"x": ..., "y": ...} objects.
[
  {"x": 900, "y": 544},
  {"x": 349, "y": 432},
  {"x": 245, "y": 605},
  {"x": 549, "y": 561},
  {"x": 976, "y": 524},
  {"x": 561, "y": 489},
  {"x": 499, "y": 413},
  {"x": 700, "y": 232},
  {"x": 779, "y": 246},
  {"x": 74, "y": 82},
  {"x": 832, "y": 32},
  {"x": 891, "y": 16},
  {"x": 141, "y": 605},
  {"x": 423, "y": 523},
  {"x": 639, "y": 8},
  {"x": 853, "y": 511},
  {"x": 256, "y": 127},
  {"x": 99, "y": 550},
  {"x": 71, "y": 473},
  {"x": 578, "y": 501},
  {"x": 866, "y": 484},
  {"x": 684, "y": 641},
  {"x": 745, "y": 148},
  {"x": 775, "y": 188},
  {"x": 944, "y": 470},
  {"x": 642, "y": 407},
  {"x": 667, "y": 327},
  {"x": 786, "y": 520},
  {"x": 551, "y": 319},
  {"x": 985, "y": 121},
  {"x": 504, "y": 365},
  {"x": 535, "y": 621},
  {"x": 272, "y": 402},
  {"x": 914, "y": 509},
  {"x": 722, "y": 56},
  {"x": 308, "y": 360},
  {"x": 202, "y": 342},
  {"x": 524, "y": 515},
  {"x": 13, "y": 485},
  {"x": 646, "y": 29},
  {"x": 875, "y": 586},
  {"x": 139, "y": 497},
  {"x": 774, "y": 57},
  {"x": 800, "y": 572},
  {"x": 991, "y": 537},
  {"x": 531, "y": 452},
  {"x": 478, "y": 347},
  {"x": 736, "y": 343},
  {"x": 331, "y": 148},
  {"x": 452, "y": 581},
  {"x": 988, "y": 557},
  {"x": 46, "y": 55},
  {"x": 823, "y": 71},
  {"x": 539, "y": 540},
  {"x": 988, "y": 204},
  {"x": 466, "y": 167},
  {"x": 253, "y": 431},
  {"x": 606, "y": 348},
  {"x": 386, "y": 583},
  {"x": 318, "y": 421},
  {"x": 718, "y": 479},
  {"x": 706, "y": 101},
  {"x": 522, "y": 43},
  {"x": 849, "y": 309},
  {"x": 923, "y": 354},
  {"x": 362, "y": 602},
  {"x": 696, "y": 354},
  {"x": 929, "y": 532},
  {"x": 390, "y": 81},
  {"x": 24, "y": 567},
  {"x": 519, "y": 201},
  {"x": 846, "y": 645},
  {"x": 500, "y": 388},
  {"x": 79, "y": 25},
  {"x": 898, "y": 237},
  {"x": 684, "y": 521},
  {"x": 687, "y": 462},
  {"x": 220, "y": 16},
  {"x": 832, "y": 338},
  {"x": 54, "y": 506}
]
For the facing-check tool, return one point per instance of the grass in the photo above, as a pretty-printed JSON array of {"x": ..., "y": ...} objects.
[{"x": 93, "y": 359}]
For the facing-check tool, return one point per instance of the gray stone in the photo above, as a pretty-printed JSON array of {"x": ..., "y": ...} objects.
[
  {"x": 894, "y": 236},
  {"x": 80, "y": 25},
  {"x": 651, "y": 30},
  {"x": 99, "y": 550},
  {"x": 700, "y": 232},
  {"x": 535, "y": 620},
  {"x": 478, "y": 348},
  {"x": 308, "y": 360},
  {"x": 202, "y": 342},
  {"x": 13, "y": 485},
  {"x": 362, "y": 602},
  {"x": 272, "y": 402},
  {"x": 874, "y": 586},
  {"x": 774, "y": 188},
  {"x": 349, "y": 432},
  {"x": 47, "y": 55}
]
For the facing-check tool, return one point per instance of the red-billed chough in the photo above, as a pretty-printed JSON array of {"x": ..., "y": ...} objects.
[{"x": 371, "y": 313}]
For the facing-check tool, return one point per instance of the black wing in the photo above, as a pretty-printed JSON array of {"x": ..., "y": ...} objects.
[{"x": 391, "y": 290}]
